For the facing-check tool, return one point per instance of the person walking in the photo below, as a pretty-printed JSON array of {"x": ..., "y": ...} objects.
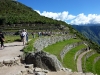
[
  {"x": 23, "y": 34},
  {"x": 2, "y": 39}
]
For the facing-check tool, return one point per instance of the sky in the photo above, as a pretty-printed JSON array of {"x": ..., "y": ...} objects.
[{"x": 71, "y": 11}]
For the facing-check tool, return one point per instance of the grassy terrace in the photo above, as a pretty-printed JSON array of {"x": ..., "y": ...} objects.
[
  {"x": 69, "y": 61},
  {"x": 57, "y": 47},
  {"x": 97, "y": 67},
  {"x": 12, "y": 38},
  {"x": 30, "y": 46},
  {"x": 90, "y": 66}
]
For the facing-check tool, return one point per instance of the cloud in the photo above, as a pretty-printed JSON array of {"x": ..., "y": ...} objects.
[
  {"x": 57, "y": 15},
  {"x": 83, "y": 19},
  {"x": 72, "y": 19}
]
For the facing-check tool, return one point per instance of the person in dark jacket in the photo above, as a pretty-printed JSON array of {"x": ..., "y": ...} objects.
[{"x": 2, "y": 39}]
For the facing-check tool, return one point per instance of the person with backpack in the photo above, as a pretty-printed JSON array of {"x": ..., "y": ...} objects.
[
  {"x": 23, "y": 35},
  {"x": 2, "y": 39}
]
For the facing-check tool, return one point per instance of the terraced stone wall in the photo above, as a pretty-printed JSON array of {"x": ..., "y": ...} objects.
[
  {"x": 96, "y": 59},
  {"x": 69, "y": 47},
  {"x": 43, "y": 42},
  {"x": 79, "y": 52}
]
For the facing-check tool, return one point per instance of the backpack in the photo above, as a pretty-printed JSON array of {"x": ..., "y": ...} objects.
[{"x": 22, "y": 35}]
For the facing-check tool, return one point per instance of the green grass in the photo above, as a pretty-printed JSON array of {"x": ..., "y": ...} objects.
[
  {"x": 57, "y": 47},
  {"x": 69, "y": 61},
  {"x": 89, "y": 64},
  {"x": 97, "y": 67},
  {"x": 12, "y": 38},
  {"x": 30, "y": 46}
]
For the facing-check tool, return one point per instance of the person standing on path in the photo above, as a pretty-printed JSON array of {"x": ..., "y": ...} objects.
[
  {"x": 2, "y": 39},
  {"x": 23, "y": 34}
]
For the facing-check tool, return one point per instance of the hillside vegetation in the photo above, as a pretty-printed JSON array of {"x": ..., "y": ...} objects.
[
  {"x": 15, "y": 14},
  {"x": 90, "y": 31}
]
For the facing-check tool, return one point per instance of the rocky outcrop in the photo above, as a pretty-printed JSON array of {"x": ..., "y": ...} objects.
[{"x": 43, "y": 60}]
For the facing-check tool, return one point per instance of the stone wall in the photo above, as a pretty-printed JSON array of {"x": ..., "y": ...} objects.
[
  {"x": 68, "y": 47},
  {"x": 96, "y": 59},
  {"x": 79, "y": 52},
  {"x": 43, "y": 42},
  {"x": 89, "y": 54}
]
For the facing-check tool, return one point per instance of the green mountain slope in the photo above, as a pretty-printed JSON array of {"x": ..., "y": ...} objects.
[
  {"x": 13, "y": 12},
  {"x": 91, "y": 32}
]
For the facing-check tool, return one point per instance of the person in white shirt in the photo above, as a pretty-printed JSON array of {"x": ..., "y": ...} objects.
[{"x": 23, "y": 34}]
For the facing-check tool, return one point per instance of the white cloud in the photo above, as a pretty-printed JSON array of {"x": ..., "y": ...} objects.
[
  {"x": 72, "y": 19},
  {"x": 57, "y": 15},
  {"x": 83, "y": 19}
]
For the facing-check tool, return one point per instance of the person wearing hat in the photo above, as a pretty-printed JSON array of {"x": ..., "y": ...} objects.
[{"x": 2, "y": 39}]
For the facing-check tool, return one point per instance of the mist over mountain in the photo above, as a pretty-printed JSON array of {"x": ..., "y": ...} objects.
[
  {"x": 91, "y": 31},
  {"x": 97, "y": 24}
]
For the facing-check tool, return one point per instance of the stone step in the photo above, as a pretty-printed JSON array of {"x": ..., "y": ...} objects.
[
  {"x": 10, "y": 62},
  {"x": 21, "y": 69}
]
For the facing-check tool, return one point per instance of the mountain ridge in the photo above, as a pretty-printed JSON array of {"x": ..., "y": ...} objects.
[{"x": 91, "y": 32}]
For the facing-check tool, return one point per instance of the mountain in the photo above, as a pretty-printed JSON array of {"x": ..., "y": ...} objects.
[
  {"x": 90, "y": 31},
  {"x": 15, "y": 16}
]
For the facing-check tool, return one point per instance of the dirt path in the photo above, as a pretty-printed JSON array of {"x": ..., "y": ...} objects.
[
  {"x": 79, "y": 61},
  {"x": 11, "y": 50}
]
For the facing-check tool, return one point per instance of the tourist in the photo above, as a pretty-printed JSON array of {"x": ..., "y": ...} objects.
[
  {"x": 39, "y": 34},
  {"x": 23, "y": 35},
  {"x": 2, "y": 39},
  {"x": 20, "y": 33}
]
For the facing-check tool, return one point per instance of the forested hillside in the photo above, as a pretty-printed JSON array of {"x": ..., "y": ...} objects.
[
  {"x": 16, "y": 16},
  {"x": 91, "y": 32},
  {"x": 14, "y": 12}
]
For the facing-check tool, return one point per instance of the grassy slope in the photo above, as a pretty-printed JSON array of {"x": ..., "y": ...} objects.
[
  {"x": 68, "y": 60},
  {"x": 30, "y": 46},
  {"x": 97, "y": 67},
  {"x": 89, "y": 67},
  {"x": 13, "y": 38},
  {"x": 56, "y": 48}
]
